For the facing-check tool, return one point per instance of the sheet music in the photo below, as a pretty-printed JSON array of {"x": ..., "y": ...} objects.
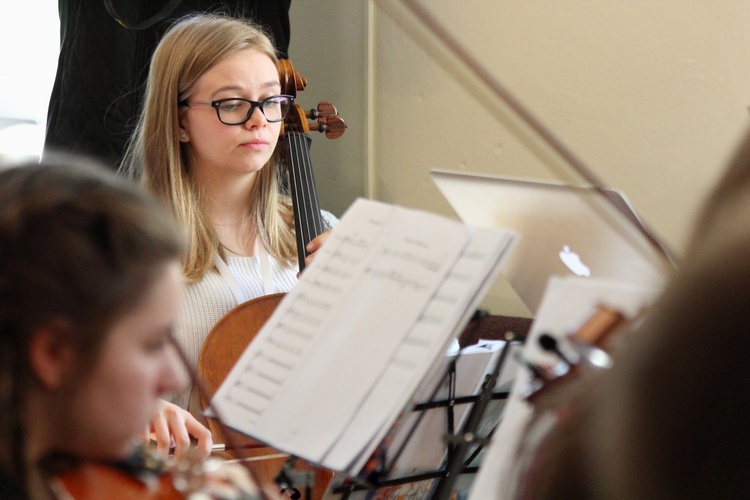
[{"x": 346, "y": 349}]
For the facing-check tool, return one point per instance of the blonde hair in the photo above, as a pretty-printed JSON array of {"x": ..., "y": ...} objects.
[{"x": 186, "y": 52}]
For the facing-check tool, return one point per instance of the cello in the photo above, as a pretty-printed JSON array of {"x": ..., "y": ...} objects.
[{"x": 230, "y": 336}]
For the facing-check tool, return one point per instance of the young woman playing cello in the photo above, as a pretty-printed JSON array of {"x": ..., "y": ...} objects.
[{"x": 206, "y": 145}]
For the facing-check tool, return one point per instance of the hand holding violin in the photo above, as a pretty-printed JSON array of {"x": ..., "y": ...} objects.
[{"x": 145, "y": 476}]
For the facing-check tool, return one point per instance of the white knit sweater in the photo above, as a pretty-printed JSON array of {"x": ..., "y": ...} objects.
[{"x": 202, "y": 304}]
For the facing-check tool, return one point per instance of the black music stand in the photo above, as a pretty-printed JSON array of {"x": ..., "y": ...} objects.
[{"x": 462, "y": 448}]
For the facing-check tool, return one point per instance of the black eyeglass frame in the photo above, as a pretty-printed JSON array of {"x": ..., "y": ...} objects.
[{"x": 253, "y": 104}]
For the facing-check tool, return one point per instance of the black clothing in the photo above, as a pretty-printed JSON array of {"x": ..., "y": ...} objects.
[
  {"x": 102, "y": 67},
  {"x": 8, "y": 489}
]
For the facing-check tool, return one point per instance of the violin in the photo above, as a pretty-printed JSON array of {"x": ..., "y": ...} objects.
[
  {"x": 144, "y": 476},
  {"x": 556, "y": 390},
  {"x": 230, "y": 336},
  {"x": 584, "y": 351}
]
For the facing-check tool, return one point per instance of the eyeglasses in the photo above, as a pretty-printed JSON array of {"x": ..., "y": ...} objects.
[{"x": 236, "y": 111}]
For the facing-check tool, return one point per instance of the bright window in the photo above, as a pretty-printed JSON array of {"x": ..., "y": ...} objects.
[{"x": 29, "y": 45}]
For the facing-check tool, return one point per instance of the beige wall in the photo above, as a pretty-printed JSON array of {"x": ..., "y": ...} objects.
[
  {"x": 651, "y": 95},
  {"x": 327, "y": 47}
]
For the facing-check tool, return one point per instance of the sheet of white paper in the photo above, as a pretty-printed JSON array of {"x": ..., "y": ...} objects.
[
  {"x": 358, "y": 332},
  {"x": 446, "y": 313}
]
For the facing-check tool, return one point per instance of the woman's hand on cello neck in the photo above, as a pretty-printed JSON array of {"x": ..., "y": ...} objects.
[{"x": 315, "y": 245}]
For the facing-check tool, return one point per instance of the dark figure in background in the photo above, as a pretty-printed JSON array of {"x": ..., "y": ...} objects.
[{"x": 103, "y": 64}]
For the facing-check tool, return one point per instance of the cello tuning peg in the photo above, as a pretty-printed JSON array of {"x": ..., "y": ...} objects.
[
  {"x": 333, "y": 126},
  {"x": 326, "y": 109}
]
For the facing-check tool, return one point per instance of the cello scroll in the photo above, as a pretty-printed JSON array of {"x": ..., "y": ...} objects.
[{"x": 326, "y": 115}]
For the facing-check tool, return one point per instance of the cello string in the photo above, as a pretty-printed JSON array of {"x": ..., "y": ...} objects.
[
  {"x": 308, "y": 189},
  {"x": 300, "y": 169},
  {"x": 303, "y": 192},
  {"x": 313, "y": 208},
  {"x": 306, "y": 210},
  {"x": 298, "y": 200},
  {"x": 292, "y": 160}
]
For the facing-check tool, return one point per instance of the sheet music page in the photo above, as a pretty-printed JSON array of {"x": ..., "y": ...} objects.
[
  {"x": 351, "y": 341},
  {"x": 445, "y": 316}
]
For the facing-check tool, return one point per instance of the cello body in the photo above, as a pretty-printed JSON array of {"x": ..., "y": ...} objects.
[{"x": 221, "y": 350}]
